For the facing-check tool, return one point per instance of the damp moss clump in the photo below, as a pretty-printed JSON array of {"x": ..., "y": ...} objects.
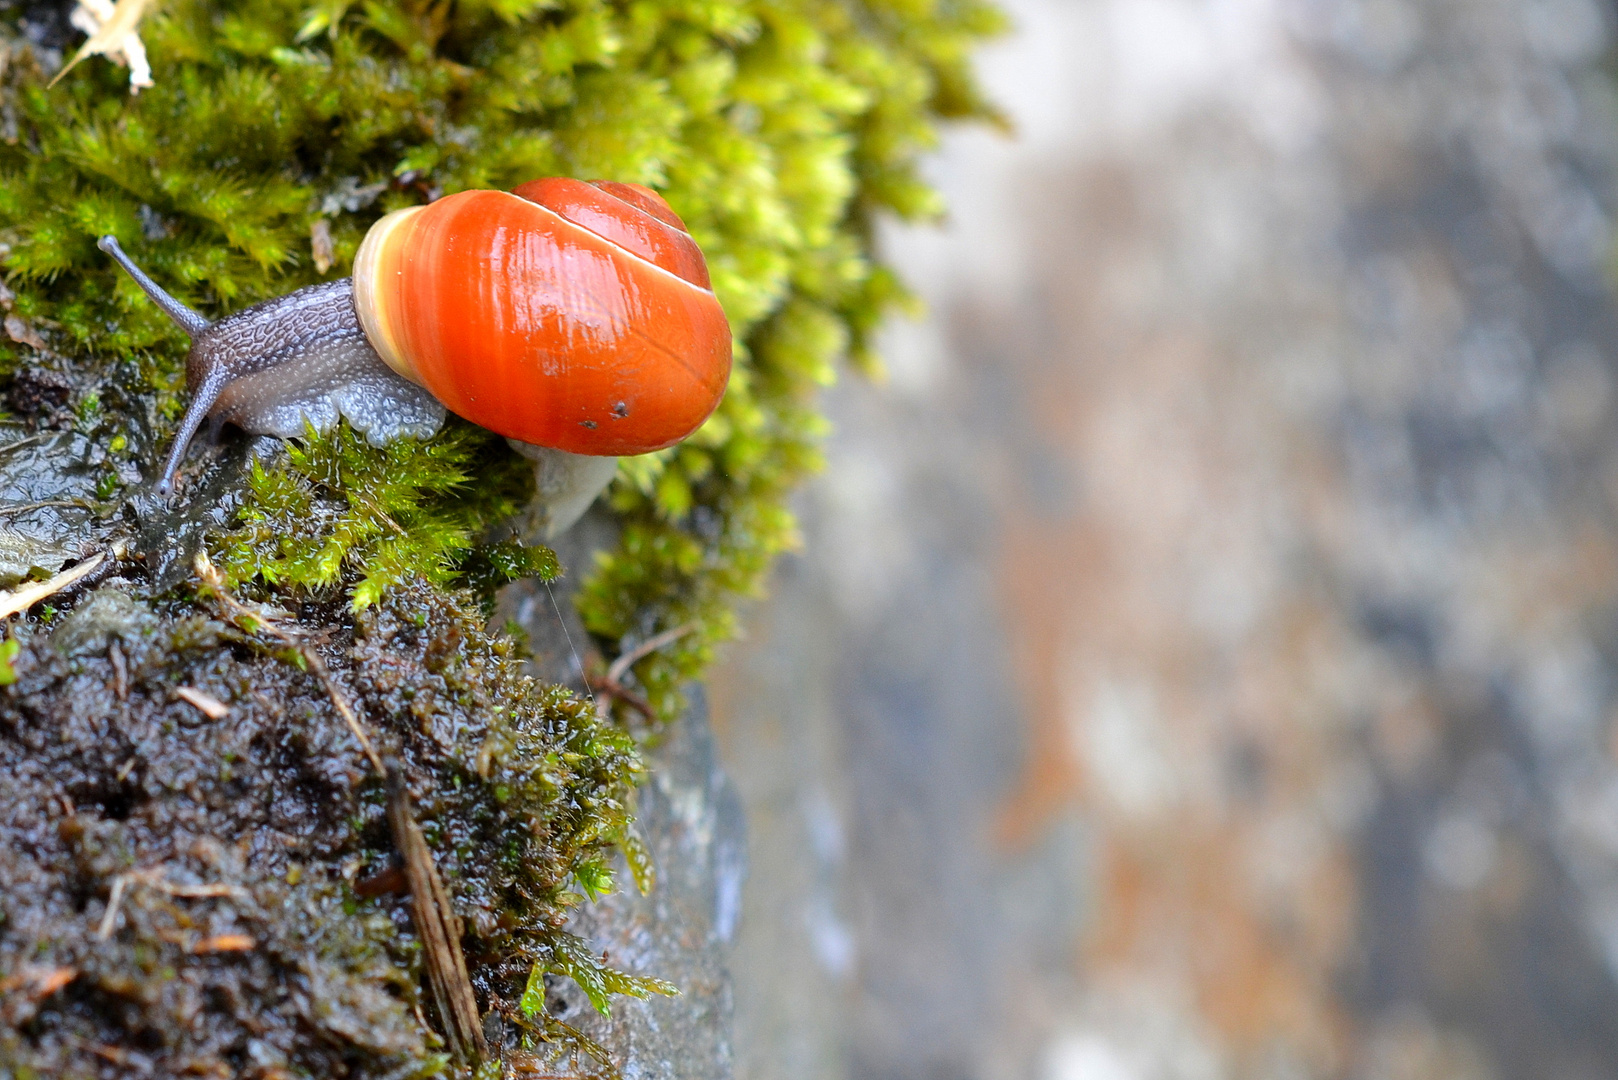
[
  {"x": 277, "y": 131},
  {"x": 195, "y": 894},
  {"x": 338, "y": 511}
]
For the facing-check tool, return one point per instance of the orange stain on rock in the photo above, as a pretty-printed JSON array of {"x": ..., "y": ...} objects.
[
  {"x": 1161, "y": 639},
  {"x": 1039, "y": 572},
  {"x": 1176, "y": 907}
]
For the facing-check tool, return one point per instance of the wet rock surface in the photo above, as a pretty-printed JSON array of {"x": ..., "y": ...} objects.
[
  {"x": 1201, "y": 660},
  {"x": 253, "y": 828},
  {"x": 74, "y": 477},
  {"x": 690, "y": 817},
  {"x": 198, "y": 860},
  {"x": 684, "y": 928}
]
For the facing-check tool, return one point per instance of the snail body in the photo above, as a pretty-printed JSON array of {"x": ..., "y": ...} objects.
[
  {"x": 574, "y": 318},
  {"x": 303, "y": 356}
]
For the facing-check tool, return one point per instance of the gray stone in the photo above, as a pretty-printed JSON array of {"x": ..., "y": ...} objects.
[
  {"x": 22, "y": 555},
  {"x": 683, "y": 929},
  {"x": 105, "y": 614},
  {"x": 1204, "y": 643},
  {"x": 690, "y": 817}
]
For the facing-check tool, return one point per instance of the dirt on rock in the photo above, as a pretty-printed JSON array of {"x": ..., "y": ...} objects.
[{"x": 199, "y": 872}]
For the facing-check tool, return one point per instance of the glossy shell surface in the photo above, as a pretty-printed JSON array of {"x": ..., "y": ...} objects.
[{"x": 565, "y": 314}]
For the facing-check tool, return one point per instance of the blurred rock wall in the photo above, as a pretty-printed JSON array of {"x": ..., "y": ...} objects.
[{"x": 1201, "y": 660}]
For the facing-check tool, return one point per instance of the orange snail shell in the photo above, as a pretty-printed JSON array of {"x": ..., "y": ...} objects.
[{"x": 569, "y": 315}]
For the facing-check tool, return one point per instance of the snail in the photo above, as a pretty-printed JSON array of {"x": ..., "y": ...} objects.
[{"x": 576, "y": 319}]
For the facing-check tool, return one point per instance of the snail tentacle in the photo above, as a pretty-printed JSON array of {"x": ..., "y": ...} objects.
[
  {"x": 188, "y": 320},
  {"x": 202, "y": 401}
]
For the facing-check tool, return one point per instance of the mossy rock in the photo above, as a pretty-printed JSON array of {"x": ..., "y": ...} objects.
[
  {"x": 214, "y": 891},
  {"x": 778, "y": 130},
  {"x": 275, "y": 133}
]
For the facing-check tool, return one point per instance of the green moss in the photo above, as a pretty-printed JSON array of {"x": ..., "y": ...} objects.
[
  {"x": 571, "y": 956},
  {"x": 339, "y": 508},
  {"x": 777, "y": 128}
]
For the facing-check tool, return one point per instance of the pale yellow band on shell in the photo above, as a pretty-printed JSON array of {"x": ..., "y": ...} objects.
[{"x": 371, "y": 297}]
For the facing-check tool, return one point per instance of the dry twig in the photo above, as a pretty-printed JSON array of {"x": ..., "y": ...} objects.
[
  {"x": 206, "y": 704},
  {"x": 225, "y": 943},
  {"x": 29, "y": 441},
  {"x": 437, "y": 925},
  {"x": 120, "y": 672},
  {"x": 26, "y": 597},
  {"x": 23, "y": 508},
  {"x": 41, "y": 981},
  {"x": 121, "y": 1057},
  {"x": 25, "y": 988},
  {"x": 155, "y": 879},
  {"x": 114, "y": 902},
  {"x": 610, "y": 687},
  {"x": 191, "y": 892}
]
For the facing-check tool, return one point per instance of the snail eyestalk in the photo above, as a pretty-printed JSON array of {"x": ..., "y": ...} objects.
[
  {"x": 193, "y": 324},
  {"x": 188, "y": 320}
]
